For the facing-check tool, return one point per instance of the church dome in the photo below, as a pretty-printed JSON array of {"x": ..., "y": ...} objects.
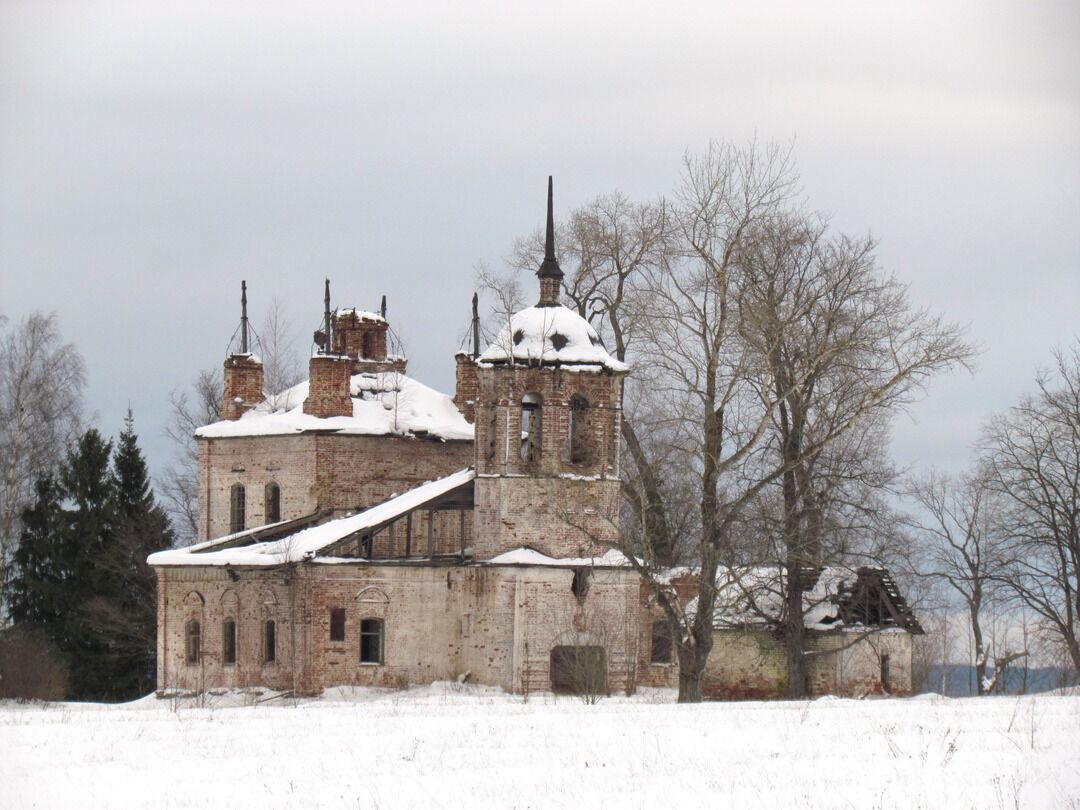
[{"x": 550, "y": 336}]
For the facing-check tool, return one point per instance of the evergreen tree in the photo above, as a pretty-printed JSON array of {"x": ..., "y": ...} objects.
[
  {"x": 37, "y": 589},
  {"x": 80, "y": 567},
  {"x": 89, "y": 486},
  {"x": 126, "y": 611}
]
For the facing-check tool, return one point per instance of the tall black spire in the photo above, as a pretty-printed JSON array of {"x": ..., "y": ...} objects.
[
  {"x": 243, "y": 318},
  {"x": 550, "y": 268},
  {"x": 326, "y": 318}
]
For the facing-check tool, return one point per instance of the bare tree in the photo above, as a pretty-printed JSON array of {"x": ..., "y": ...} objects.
[
  {"x": 282, "y": 368},
  {"x": 41, "y": 390},
  {"x": 191, "y": 409},
  {"x": 1034, "y": 455},
  {"x": 960, "y": 546}
]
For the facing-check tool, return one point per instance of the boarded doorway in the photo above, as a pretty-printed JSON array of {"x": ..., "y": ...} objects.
[{"x": 579, "y": 670}]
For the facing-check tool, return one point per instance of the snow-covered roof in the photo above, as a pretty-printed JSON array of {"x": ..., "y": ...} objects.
[
  {"x": 613, "y": 558},
  {"x": 550, "y": 336},
  {"x": 755, "y": 596},
  {"x": 384, "y": 404},
  {"x": 307, "y": 543},
  {"x": 362, "y": 314}
]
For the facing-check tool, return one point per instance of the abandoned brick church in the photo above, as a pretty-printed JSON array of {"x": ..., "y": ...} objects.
[{"x": 361, "y": 528}]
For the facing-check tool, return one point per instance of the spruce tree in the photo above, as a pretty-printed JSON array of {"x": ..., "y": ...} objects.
[
  {"x": 129, "y": 613},
  {"x": 37, "y": 590},
  {"x": 90, "y": 489}
]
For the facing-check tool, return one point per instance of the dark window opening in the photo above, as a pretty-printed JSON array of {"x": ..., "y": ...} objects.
[
  {"x": 337, "y": 624},
  {"x": 578, "y": 432},
  {"x": 371, "y": 641},
  {"x": 580, "y": 584},
  {"x": 885, "y": 673},
  {"x": 228, "y": 637},
  {"x": 558, "y": 342},
  {"x": 492, "y": 435},
  {"x": 269, "y": 642},
  {"x": 236, "y": 508},
  {"x": 273, "y": 503},
  {"x": 518, "y": 336},
  {"x": 531, "y": 428},
  {"x": 579, "y": 670},
  {"x": 661, "y": 643},
  {"x": 193, "y": 641}
]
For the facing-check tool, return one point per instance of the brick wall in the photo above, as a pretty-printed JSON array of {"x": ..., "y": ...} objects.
[
  {"x": 316, "y": 471},
  {"x": 494, "y": 625},
  {"x": 559, "y": 517}
]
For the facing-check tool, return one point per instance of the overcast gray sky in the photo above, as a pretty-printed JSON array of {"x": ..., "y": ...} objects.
[{"x": 153, "y": 154}]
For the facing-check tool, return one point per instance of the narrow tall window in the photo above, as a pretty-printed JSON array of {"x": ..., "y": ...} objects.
[
  {"x": 228, "y": 638},
  {"x": 577, "y": 438},
  {"x": 531, "y": 428},
  {"x": 368, "y": 350},
  {"x": 371, "y": 641},
  {"x": 269, "y": 642},
  {"x": 273, "y": 503},
  {"x": 236, "y": 508},
  {"x": 492, "y": 434},
  {"x": 661, "y": 643},
  {"x": 884, "y": 673},
  {"x": 337, "y": 624},
  {"x": 193, "y": 644}
]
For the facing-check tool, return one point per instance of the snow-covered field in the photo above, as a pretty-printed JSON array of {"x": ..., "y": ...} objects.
[{"x": 452, "y": 746}]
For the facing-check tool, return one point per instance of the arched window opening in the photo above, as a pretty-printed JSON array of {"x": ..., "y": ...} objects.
[
  {"x": 228, "y": 642},
  {"x": 269, "y": 642},
  {"x": 531, "y": 428},
  {"x": 661, "y": 643},
  {"x": 193, "y": 644},
  {"x": 236, "y": 508},
  {"x": 577, "y": 435},
  {"x": 371, "y": 641},
  {"x": 273, "y": 503}
]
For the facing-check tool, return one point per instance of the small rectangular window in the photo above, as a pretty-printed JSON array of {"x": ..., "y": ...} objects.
[
  {"x": 337, "y": 624},
  {"x": 371, "y": 641},
  {"x": 885, "y": 673},
  {"x": 661, "y": 643}
]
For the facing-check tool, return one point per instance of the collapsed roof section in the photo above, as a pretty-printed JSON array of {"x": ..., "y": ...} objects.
[
  {"x": 383, "y": 404},
  {"x": 838, "y": 599},
  {"x": 315, "y": 535}
]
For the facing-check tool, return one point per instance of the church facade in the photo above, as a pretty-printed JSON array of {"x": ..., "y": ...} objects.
[{"x": 364, "y": 529}]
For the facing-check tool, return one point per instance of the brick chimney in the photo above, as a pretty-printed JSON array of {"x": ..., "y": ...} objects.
[
  {"x": 328, "y": 386},
  {"x": 468, "y": 386},
  {"x": 362, "y": 336},
  {"x": 243, "y": 385}
]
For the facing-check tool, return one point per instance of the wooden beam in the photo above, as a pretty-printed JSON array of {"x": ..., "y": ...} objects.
[{"x": 408, "y": 534}]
